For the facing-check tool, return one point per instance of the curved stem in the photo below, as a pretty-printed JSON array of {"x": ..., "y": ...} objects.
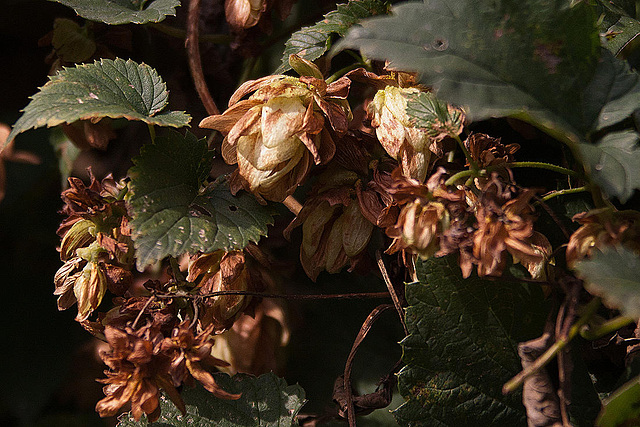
[
  {"x": 467, "y": 154},
  {"x": 456, "y": 177},
  {"x": 195, "y": 63},
  {"x": 564, "y": 192},
  {"x": 606, "y": 328},
  {"x": 335, "y": 76},
  {"x": 559, "y": 345},
  {"x": 537, "y": 165}
]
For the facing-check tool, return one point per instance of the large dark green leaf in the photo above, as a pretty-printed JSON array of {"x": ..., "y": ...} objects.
[
  {"x": 614, "y": 274},
  {"x": 622, "y": 407},
  {"x": 532, "y": 58},
  {"x": 173, "y": 214},
  {"x": 123, "y": 11},
  {"x": 266, "y": 401},
  {"x": 105, "y": 88},
  {"x": 462, "y": 347},
  {"x": 613, "y": 163},
  {"x": 312, "y": 42}
]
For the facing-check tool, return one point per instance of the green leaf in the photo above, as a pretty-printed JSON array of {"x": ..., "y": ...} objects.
[
  {"x": 613, "y": 163},
  {"x": 462, "y": 347},
  {"x": 173, "y": 214},
  {"x": 71, "y": 41},
  {"x": 105, "y": 88},
  {"x": 428, "y": 112},
  {"x": 312, "y": 42},
  {"x": 622, "y": 37},
  {"x": 612, "y": 95},
  {"x": 622, "y": 408},
  {"x": 266, "y": 401},
  {"x": 116, "y": 12},
  {"x": 531, "y": 59},
  {"x": 614, "y": 275}
]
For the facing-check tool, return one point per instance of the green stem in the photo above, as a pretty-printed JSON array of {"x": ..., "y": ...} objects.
[
  {"x": 152, "y": 132},
  {"x": 456, "y": 177},
  {"x": 182, "y": 34},
  {"x": 537, "y": 165},
  {"x": 605, "y": 328},
  {"x": 341, "y": 72},
  {"x": 564, "y": 192},
  {"x": 515, "y": 382},
  {"x": 472, "y": 162}
]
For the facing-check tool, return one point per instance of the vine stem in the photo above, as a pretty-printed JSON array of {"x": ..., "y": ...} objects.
[
  {"x": 536, "y": 165},
  {"x": 195, "y": 62},
  {"x": 559, "y": 345},
  {"x": 335, "y": 76},
  {"x": 356, "y": 295},
  {"x": 564, "y": 192},
  {"x": 467, "y": 154},
  {"x": 606, "y": 328}
]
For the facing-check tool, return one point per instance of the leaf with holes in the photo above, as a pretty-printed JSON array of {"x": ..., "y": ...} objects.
[
  {"x": 462, "y": 347},
  {"x": 436, "y": 117},
  {"x": 613, "y": 163},
  {"x": 116, "y": 12},
  {"x": 312, "y": 42},
  {"x": 528, "y": 59},
  {"x": 266, "y": 401},
  {"x": 173, "y": 214},
  {"x": 106, "y": 88},
  {"x": 614, "y": 275}
]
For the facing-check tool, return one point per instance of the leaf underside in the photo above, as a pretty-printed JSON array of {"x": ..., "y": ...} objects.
[
  {"x": 433, "y": 115},
  {"x": 267, "y": 401},
  {"x": 116, "y": 12},
  {"x": 106, "y": 88},
  {"x": 312, "y": 42},
  {"x": 462, "y": 347},
  {"x": 173, "y": 215}
]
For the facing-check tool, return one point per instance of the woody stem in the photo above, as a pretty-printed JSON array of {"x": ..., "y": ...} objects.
[{"x": 195, "y": 62}]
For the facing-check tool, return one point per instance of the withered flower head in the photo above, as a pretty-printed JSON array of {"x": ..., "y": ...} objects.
[
  {"x": 505, "y": 223},
  {"x": 334, "y": 229},
  {"x": 221, "y": 271},
  {"x": 489, "y": 151},
  {"x": 188, "y": 355},
  {"x": 600, "y": 228},
  {"x": 137, "y": 370},
  {"x": 399, "y": 137},
  {"x": 242, "y": 14},
  {"x": 424, "y": 214},
  {"x": 279, "y": 131}
]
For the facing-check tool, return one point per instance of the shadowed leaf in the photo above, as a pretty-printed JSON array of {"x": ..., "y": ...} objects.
[
  {"x": 613, "y": 163},
  {"x": 123, "y": 11},
  {"x": 266, "y": 401},
  {"x": 462, "y": 347},
  {"x": 312, "y": 42},
  {"x": 614, "y": 275}
]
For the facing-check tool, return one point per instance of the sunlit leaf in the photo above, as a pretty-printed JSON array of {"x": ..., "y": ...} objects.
[
  {"x": 613, "y": 163},
  {"x": 173, "y": 214},
  {"x": 614, "y": 275},
  {"x": 105, "y": 88},
  {"x": 437, "y": 117},
  {"x": 531, "y": 59},
  {"x": 267, "y": 401},
  {"x": 312, "y": 42},
  {"x": 462, "y": 347},
  {"x": 123, "y": 11}
]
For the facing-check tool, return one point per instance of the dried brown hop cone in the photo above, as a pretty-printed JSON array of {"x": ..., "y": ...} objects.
[{"x": 280, "y": 131}]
